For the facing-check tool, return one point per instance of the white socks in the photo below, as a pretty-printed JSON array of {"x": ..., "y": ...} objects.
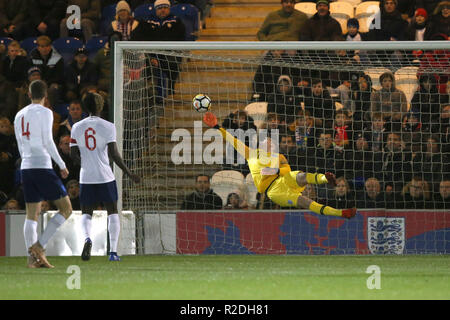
[
  {"x": 30, "y": 232},
  {"x": 114, "y": 231},
  {"x": 51, "y": 228},
  {"x": 86, "y": 223}
]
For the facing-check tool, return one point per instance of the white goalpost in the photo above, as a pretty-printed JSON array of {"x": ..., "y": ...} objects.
[{"x": 154, "y": 83}]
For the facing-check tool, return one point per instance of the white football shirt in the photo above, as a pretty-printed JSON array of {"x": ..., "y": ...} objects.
[
  {"x": 92, "y": 136},
  {"x": 33, "y": 129}
]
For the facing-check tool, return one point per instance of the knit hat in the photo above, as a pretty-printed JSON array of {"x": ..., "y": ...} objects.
[
  {"x": 123, "y": 5},
  {"x": 421, "y": 12},
  {"x": 322, "y": 2},
  {"x": 81, "y": 50},
  {"x": 33, "y": 70},
  {"x": 353, "y": 23},
  {"x": 161, "y": 3}
]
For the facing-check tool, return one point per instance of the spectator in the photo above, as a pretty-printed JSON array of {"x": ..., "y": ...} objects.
[
  {"x": 289, "y": 149},
  {"x": 361, "y": 101},
  {"x": 377, "y": 132},
  {"x": 102, "y": 61},
  {"x": 430, "y": 163},
  {"x": 417, "y": 29},
  {"x": 440, "y": 21},
  {"x": 234, "y": 202},
  {"x": 327, "y": 157},
  {"x": 428, "y": 5},
  {"x": 310, "y": 192},
  {"x": 64, "y": 152},
  {"x": 442, "y": 199},
  {"x": 75, "y": 114},
  {"x": 51, "y": 63},
  {"x": 80, "y": 73},
  {"x": 90, "y": 13},
  {"x": 13, "y": 17},
  {"x": 416, "y": 194},
  {"x": 284, "y": 24},
  {"x": 389, "y": 100},
  {"x": 12, "y": 205},
  {"x": 164, "y": 26},
  {"x": 73, "y": 190},
  {"x": 362, "y": 161},
  {"x": 284, "y": 102},
  {"x": 343, "y": 129},
  {"x": 265, "y": 76},
  {"x": 274, "y": 122},
  {"x": 342, "y": 196},
  {"x": 15, "y": 66},
  {"x": 353, "y": 34},
  {"x": 435, "y": 62},
  {"x": 33, "y": 73},
  {"x": 46, "y": 206},
  {"x": 426, "y": 100},
  {"x": 203, "y": 198},
  {"x": 392, "y": 166},
  {"x": 372, "y": 196},
  {"x": 45, "y": 17},
  {"x": 321, "y": 26},
  {"x": 124, "y": 22},
  {"x": 303, "y": 130},
  {"x": 392, "y": 25},
  {"x": 320, "y": 105},
  {"x": 413, "y": 129},
  {"x": 442, "y": 127},
  {"x": 8, "y": 155}
]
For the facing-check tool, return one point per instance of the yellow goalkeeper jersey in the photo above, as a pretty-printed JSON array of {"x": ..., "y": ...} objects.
[{"x": 258, "y": 159}]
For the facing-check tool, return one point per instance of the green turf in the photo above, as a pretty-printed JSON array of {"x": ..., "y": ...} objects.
[{"x": 230, "y": 277}]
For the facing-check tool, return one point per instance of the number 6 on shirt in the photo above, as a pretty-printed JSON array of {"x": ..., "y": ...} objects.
[{"x": 89, "y": 134}]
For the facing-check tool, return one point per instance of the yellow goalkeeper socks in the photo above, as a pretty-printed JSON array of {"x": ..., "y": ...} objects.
[
  {"x": 316, "y": 178},
  {"x": 324, "y": 210}
]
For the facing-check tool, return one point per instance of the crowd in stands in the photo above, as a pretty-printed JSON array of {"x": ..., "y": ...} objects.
[{"x": 385, "y": 149}]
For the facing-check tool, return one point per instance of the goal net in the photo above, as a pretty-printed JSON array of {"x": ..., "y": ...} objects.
[{"x": 374, "y": 113}]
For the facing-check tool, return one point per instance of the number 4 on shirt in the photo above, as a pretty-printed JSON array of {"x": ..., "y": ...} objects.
[{"x": 25, "y": 133}]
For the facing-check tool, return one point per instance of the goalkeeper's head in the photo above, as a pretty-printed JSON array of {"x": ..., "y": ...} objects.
[{"x": 93, "y": 103}]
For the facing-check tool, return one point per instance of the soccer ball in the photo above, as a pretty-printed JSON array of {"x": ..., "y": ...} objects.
[{"x": 201, "y": 103}]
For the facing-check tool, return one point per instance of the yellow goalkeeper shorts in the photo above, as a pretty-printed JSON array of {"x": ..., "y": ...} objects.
[{"x": 285, "y": 191}]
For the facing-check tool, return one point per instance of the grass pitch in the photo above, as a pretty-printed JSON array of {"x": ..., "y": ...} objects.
[{"x": 237, "y": 277}]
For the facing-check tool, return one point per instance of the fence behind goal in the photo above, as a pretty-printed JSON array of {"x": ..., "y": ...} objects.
[{"x": 375, "y": 114}]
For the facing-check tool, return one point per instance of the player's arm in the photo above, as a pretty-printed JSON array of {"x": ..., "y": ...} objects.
[
  {"x": 75, "y": 155},
  {"x": 211, "y": 121},
  {"x": 114, "y": 154},
  {"x": 284, "y": 168},
  {"x": 49, "y": 144}
]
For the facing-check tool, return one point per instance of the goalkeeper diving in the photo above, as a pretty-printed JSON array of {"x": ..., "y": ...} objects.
[{"x": 272, "y": 175}]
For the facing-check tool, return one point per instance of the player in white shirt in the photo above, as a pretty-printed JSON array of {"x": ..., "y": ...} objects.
[
  {"x": 93, "y": 139},
  {"x": 33, "y": 130}
]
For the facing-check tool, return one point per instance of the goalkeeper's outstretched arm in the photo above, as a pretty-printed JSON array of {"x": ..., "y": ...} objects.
[{"x": 211, "y": 121}]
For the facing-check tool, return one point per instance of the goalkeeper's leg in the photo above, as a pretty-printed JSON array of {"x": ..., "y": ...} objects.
[
  {"x": 306, "y": 203},
  {"x": 304, "y": 178}
]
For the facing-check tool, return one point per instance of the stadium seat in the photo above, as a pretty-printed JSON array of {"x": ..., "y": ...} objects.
[
  {"x": 308, "y": 8},
  {"x": 29, "y": 44},
  {"x": 227, "y": 181},
  {"x": 365, "y": 13},
  {"x": 5, "y": 41},
  {"x": 144, "y": 12},
  {"x": 95, "y": 44},
  {"x": 190, "y": 16},
  {"x": 258, "y": 111},
  {"x": 374, "y": 74},
  {"x": 252, "y": 192},
  {"x": 354, "y": 3},
  {"x": 342, "y": 11},
  {"x": 108, "y": 15},
  {"x": 67, "y": 47},
  {"x": 406, "y": 80}
]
